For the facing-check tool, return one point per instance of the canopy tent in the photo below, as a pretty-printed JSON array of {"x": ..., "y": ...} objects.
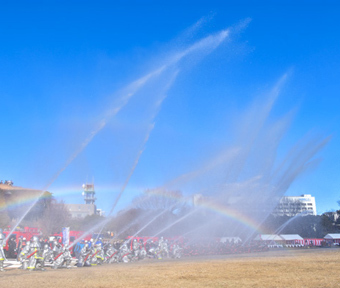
[
  {"x": 291, "y": 237},
  {"x": 332, "y": 237}
]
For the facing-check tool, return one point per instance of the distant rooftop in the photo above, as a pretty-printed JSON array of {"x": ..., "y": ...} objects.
[{"x": 16, "y": 188}]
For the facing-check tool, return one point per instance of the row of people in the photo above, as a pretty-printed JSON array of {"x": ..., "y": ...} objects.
[
  {"x": 36, "y": 255},
  {"x": 126, "y": 251}
]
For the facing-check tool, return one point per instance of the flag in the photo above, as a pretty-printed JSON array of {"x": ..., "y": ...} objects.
[{"x": 66, "y": 236}]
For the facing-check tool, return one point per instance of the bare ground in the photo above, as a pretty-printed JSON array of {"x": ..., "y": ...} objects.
[{"x": 298, "y": 268}]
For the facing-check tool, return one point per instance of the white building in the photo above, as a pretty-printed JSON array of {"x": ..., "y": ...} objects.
[
  {"x": 293, "y": 205},
  {"x": 81, "y": 210},
  {"x": 87, "y": 209}
]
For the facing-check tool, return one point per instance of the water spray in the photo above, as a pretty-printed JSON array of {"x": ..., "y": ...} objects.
[
  {"x": 132, "y": 223},
  {"x": 207, "y": 44},
  {"x": 178, "y": 220},
  {"x": 151, "y": 127},
  {"x": 151, "y": 221}
]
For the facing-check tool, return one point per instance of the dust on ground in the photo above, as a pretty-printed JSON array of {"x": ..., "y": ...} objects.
[{"x": 285, "y": 268}]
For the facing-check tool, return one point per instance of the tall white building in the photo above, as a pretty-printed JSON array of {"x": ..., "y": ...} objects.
[{"x": 293, "y": 205}]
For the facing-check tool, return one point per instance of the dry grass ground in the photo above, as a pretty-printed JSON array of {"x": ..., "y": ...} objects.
[{"x": 298, "y": 268}]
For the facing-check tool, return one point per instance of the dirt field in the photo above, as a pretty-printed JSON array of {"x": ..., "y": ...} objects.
[{"x": 298, "y": 268}]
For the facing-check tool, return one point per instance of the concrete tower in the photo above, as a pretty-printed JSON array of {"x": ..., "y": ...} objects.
[{"x": 89, "y": 193}]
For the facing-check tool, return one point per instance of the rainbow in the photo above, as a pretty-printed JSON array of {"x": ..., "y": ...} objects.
[
  {"x": 226, "y": 211},
  {"x": 233, "y": 214},
  {"x": 32, "y": 195},
  {"x": 19, "y": 201},
  {"x": 27, "y": 198}
]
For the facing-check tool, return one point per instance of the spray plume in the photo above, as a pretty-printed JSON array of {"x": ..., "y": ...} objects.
[{"x": 205, "y": 45}]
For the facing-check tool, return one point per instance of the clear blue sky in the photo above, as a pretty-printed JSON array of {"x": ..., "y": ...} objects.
[{"x": 64, "y": 64}]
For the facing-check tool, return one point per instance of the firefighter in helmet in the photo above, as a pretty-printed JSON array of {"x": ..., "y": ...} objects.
[
  {"x": 23, "y": 255},
  {"x": 63, "y": 259},
  {"x": 135, "y": 248},
  {"x": 100, "y": 253},
  {"x": 56, "y": 247},
  {"x": 83, "y": 258},
  {"x": 34, "y": 256}
]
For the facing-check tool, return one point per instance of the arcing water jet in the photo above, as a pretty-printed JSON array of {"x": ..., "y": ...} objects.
[{"x": 206, "y": 45}]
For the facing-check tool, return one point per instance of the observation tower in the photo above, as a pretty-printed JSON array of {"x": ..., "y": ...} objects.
[{"x": 89, "y": 193}]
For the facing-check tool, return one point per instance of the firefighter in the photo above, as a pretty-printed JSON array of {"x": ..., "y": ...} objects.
[
  {"x": 11, "y": 247},
  {"x": 94, "y": 252},
  {"x": 100, "y": 241},
  {"x": 176, "y": 251},
  {"x": 19, "y": 247},
  {"x": 165, "y": 248},
  {"x": 34, "y": 255},
  {"x": 56, "y": 247},
  {"x": 151, "y": 248},
  {"x": 2, "y": 253},
  {"x": 83, "y": 259},
  {"x": 77, "y": 248},
  {"x": 90, "y": 243},
  {"x": 135, "y": 248},
  {"x": 160, "y": 242},
  {"x": 23, "y": 255},
  {"x": 124, "y": 253},
  {"x": 63, "y": 258},
  {"x": 111, "y": 254},
  {"x": 100, "y": 254},
  {"x": 47, "y": 254},
  {"x": 142, "y": 251}
]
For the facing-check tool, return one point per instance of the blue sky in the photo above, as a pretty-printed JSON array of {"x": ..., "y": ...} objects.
[{"x": 65, "y": 64}]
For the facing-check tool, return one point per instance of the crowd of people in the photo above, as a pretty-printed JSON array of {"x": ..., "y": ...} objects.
[{"x": 37, "y": 254}]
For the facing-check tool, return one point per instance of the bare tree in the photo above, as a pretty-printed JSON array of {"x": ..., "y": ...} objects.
[
  {"x": 56, "y": 216},
  {"x": 4, "y": 218}
]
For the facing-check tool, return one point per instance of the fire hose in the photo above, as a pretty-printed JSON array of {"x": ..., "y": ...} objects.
[
  {"x": 58, "y": 255},
  {"x": 87, "y": 256},
  {"x": 29, "y": 256},
  {"x": 113, "y": 254},
  {"x": 94, "y": 254}
]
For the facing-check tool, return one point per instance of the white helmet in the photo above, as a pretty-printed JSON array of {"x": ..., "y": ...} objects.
[{"x": 35, "y": 239}]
